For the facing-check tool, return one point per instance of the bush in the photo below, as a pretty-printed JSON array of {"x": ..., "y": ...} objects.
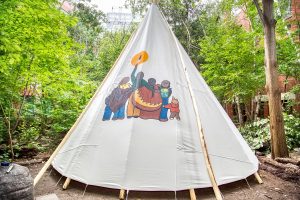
[
  {"x": 292, "y": 130},
  {"x": 257, "y": 133}
]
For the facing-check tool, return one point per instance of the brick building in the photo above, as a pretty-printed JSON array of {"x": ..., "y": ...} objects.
[
  {"x": 285, "y": 84},
  {"x": 293, "y": 17}
]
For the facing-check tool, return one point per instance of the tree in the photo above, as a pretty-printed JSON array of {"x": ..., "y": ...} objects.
[
  {"x": 50, "y": 65},
  {"x": 36, "y": 80},
  {"x": 278, "y": 140},
  {"x": 232, "y": 60},
  {"x": 110, "y": 47},
  {"x": 183, "y": 17},
  {"x": 288, "y": 51},
  {"x": 88, "y": 33}
]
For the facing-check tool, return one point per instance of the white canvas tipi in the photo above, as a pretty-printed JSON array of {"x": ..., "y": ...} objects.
[{"x": 154, "y": 124}]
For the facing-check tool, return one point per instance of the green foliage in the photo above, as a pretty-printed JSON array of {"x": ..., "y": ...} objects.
[
  {"x": 50, "y": 65},
  {"x": 3, "y": 134},
  {"x": 87, "y": 32},
  {"x": 183, "y": 17},
  {"x": 288, "y": 58},
  {"x": 51, "y": 62},
  {"x": 110, "y": 46},
  {"x": 35, "y": 48},
  {"x": 231, "y": 56},
  {"x": 287, "y": 50},
  {"x": 257, "y": 134},
  {"x": 4, "y": 156},
  {"x": 89, "y": 17},
  {"x": 292, "y": 130},
  {"x": 233, "y": 63}
]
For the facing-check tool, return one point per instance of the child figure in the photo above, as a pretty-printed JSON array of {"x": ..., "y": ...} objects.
[
  {"x": 174, "y": 108},
  {"x": 165, "y": 92}
]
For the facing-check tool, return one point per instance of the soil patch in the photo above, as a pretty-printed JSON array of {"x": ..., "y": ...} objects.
[{"x": 272, "y": 188}]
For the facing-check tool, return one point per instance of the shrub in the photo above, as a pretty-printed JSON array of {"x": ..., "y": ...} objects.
[{"x": 257, "y": 133}]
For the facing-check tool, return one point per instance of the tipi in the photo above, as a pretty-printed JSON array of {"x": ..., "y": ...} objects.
[{"x": 154, "y": 124}]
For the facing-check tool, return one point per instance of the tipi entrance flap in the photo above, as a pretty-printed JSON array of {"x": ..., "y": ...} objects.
[{"x": 140, "y": 131}]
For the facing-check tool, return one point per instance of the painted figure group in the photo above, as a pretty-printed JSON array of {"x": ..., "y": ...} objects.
[{"x": 146, "y": 99}]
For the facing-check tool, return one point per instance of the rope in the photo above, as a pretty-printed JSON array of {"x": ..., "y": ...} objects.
[
  {"x": 84, "y": 190},
  {"x": 127, "y": 194},
  {"x": 50, "y": 171},
  {"x": 58, "y": 181},
  {"x": 248, "y": 183}
]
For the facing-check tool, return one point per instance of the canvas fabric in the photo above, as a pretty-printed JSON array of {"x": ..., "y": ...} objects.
[{"x": 145, "y": 152}]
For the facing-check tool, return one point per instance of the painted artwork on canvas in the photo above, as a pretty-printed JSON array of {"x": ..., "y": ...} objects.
[{"x": 137, "y": 97}]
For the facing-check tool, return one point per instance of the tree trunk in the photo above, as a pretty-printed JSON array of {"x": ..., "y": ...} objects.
[
  {"x": 240, "y": 115},
  {"x": 252, "y": 111},
  {"x": 10, "y": 141},
  {"x": 7, "y": 123},
  {"x": 248, "y": 110},
  {"x": 258, "y": 103},
  {"x": 278, "y": 141}
]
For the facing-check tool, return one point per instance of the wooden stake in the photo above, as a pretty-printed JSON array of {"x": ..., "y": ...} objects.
[
  {"x": 66, "y": 184},
  {"x": 122, "y": 194},
  {"x": 48, "y": 163},
  {"x": 199, "y": 126},
  {"x": 192, "y": 194},
  {"x": 258, "y": 178}
]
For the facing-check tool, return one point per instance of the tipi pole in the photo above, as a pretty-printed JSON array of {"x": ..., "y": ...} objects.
[
  {"x": 192, "y": 194},
  {"x": 122, "y": 194},
  {"x": 49, "y": 161},
  {"x": 200, "y": 130},
  {"x": 66, "y": 184},
  {"x": 258, "y": 178}
]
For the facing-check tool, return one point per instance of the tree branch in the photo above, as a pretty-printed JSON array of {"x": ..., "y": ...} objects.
[
  {"x": 188, "y": 36},
  {"x": 20, "y": 109},
  {"x": 23, "y": 99},
  {"x": 260, "y": 12},
  {"x": 4, "y": 115},
  {"x": 7, "y": 120}
]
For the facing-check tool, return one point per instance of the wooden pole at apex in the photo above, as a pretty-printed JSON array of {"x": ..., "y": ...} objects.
[
  {"x": 199, "y": 125},
  {"x": 49, "y": 161}
]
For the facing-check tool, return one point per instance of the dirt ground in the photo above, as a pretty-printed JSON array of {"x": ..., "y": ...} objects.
[{"x": 272, "y": 188}]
